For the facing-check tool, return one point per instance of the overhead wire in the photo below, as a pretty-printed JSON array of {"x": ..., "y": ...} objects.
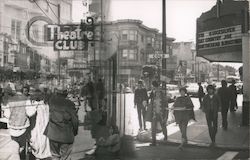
[
  {"x": 41, "y": 10},
  {"x": 53, "y": 11}
]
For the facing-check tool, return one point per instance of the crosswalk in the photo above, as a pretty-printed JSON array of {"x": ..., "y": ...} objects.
[{"x": 228, "y": 156}]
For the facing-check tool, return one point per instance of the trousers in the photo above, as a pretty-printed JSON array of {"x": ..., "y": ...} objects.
[
  {"x": 60, "y": 151},
  {"x": 183, "y": 128},
  {"x": 158, "y": 118},
  {"x": 224, "y": 111},
  {"x": 141, "y": 114},
  {"x": 212, "y": 123}
]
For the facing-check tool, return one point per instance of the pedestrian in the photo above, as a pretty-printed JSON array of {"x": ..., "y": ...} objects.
[
  {"x": 224, "y": 94},
  {"x": 62, "y": 126},
  {"x": 108, "y": 146},
  {"x": 18, "y": 115},
  {"x": 1, "y": 99},
  {"x": 26, "y": 91},
  {"x": 140, "y": 102},
  {"x": 38, "y": 141},
  {"x": 200, "y": 94},
  {"x": 158, "y": 103},
  {"x": 100, "y": 90},
  {"x": 233, "y": 97},
  {"x": 210, "y": 106},
  {"x": 90, "y": 94},
  {"x": 183, "y": 112}
]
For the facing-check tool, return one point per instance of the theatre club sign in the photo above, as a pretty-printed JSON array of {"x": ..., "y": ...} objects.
[{"x": 69, "y": 37}]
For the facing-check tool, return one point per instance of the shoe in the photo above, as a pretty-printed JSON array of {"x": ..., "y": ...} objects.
[
  {"x": 180, "y": 146},
  {"x": 152, "y": 144},
  {"x": 212, "y": 145},
  {"x": 184, "y": 141}
]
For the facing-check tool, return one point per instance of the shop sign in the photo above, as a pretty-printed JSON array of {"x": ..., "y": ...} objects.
[
  {"x": 69, "y": 37},
  {"x": 222, "y": 37}
]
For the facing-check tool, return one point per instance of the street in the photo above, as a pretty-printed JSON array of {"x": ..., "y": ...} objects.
[{"x": 165, "y": 152}]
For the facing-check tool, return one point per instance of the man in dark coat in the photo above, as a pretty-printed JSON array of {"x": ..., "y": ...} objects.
[
  {"x": 233, "y": 96},
  {"x": 63, "y": 125},
  {"x": 140, "y": 101},
  {"x": 159, "y": 113},
  {"x": 200, "y": 94},
  {"x": 224, "y": 95},
  {"x": 210, "y": 106},
  {"x": 100, "y": 91},
  {"x": 90, "y": 94}
]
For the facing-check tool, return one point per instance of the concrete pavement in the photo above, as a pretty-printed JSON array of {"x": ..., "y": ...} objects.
[
  {"x": 83, "y": 140},
  {"x": 236, "y": 137}
]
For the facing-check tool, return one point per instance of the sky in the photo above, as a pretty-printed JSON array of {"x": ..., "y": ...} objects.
[{"x": 181, "y": 15}]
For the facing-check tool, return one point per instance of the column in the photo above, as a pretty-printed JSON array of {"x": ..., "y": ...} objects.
[{"x": 246, "y": 78}]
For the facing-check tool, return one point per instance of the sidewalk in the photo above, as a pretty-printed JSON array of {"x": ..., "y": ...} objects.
[
  {"x": 236, "y": 137},
  {"x": 83, "y": 140}
]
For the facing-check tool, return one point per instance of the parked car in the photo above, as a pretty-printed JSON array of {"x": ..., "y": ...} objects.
[
  {"x": 192, "y": 89},
  {"x": 172, "y": 92}
]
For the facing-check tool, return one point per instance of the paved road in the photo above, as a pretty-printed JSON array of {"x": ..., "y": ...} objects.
[{"x": 170, "y": 152}]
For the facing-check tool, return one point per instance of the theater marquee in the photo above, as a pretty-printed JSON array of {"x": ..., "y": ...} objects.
[
  {"x": 221, "y": 37},
  {"x": 71, "y": 36},
  {"x": 219, "y": 31}
]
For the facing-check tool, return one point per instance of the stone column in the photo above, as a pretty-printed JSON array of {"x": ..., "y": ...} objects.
[{"x": 246, "y": 78}]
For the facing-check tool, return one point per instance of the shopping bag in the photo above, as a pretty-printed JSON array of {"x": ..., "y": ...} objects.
[{"x": 144, "y": 136}]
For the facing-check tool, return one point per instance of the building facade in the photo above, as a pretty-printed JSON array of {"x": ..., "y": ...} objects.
[
  {"x": 132, "y": 45},
  {"x": 190, "y": 67},
  {"x": 16, "y": 49}
]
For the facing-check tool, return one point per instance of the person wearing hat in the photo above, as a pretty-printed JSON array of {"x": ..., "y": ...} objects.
[
  {"x": 158, "y": 103},
  {"x": 210, "y": 106},
  {"x": 62, "y": 126},
  {"x": 140, "y": 102},
  {"x": 183, "y": 112}
]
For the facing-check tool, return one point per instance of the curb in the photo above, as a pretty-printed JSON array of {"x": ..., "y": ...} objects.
[{"x": 204, "y": 145}]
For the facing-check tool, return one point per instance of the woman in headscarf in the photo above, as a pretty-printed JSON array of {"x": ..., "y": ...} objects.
[{"x": 183, "y": 112}]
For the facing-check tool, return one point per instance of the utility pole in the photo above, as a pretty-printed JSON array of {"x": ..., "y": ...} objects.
[
  {"x": 163, "y": 64},
  {"x": 218, "y": 72},
  {"x": 164, "y": 36},
  {"x": 58, "y": 53}
]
